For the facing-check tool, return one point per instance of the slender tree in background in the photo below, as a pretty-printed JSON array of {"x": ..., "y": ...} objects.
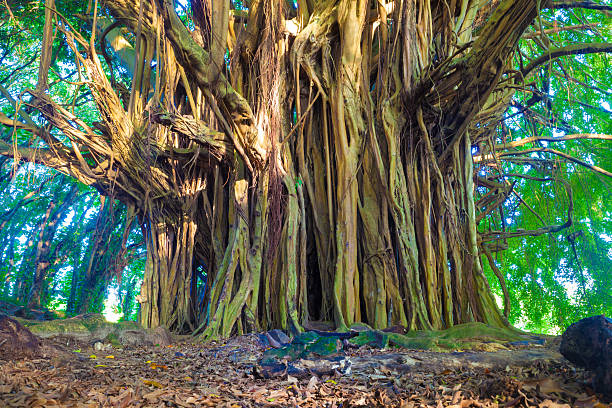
[
  {"x": 106, "y": 254},
  {"x": 47, "y": 247},
  {"x": 42, "y": 262},
  {"x": 315, "y": 158},
  {"x": 51, "y": 201}
]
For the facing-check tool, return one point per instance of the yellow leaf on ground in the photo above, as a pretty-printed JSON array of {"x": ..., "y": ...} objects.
[
  {"x": 160, "y": 366},
  {"x": 153, "y": 383}
]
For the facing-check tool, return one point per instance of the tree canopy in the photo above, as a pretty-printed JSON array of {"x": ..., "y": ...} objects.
[{"x": 272, "y": 163}]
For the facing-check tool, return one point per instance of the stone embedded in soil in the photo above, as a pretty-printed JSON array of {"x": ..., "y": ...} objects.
[
  {"x": 273, "y": 338},
  {"x": 93, "y": 327},
  {"x": 280, "y": 337},
  {"x": 304, "y": 345},
  {"x": 588, "y": 343},
  {"x": 16, "y": 341},
  {"x": 159, "y": 336},
  {"x": 85, "y": 327}
]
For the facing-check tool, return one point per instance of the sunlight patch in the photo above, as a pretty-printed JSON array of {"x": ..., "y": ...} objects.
[{"x": 111, "y": 306}]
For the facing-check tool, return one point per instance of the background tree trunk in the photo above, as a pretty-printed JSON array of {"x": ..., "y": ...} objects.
[{"x": 42, "y": 260}]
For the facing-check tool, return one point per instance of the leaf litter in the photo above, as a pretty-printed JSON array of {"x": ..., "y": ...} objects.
[{"x": 225, "y": 375}]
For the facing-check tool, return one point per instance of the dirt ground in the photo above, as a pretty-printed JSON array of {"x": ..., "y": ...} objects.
[{"x": 69, "y": 373}]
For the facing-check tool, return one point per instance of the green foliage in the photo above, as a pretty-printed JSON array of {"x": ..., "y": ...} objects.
[
  {"x": 27, "y": 194},
  {"x": 555, "y": 279}
]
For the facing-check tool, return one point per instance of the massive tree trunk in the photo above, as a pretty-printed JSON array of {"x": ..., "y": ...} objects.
[
  {"x": 167, "y": 295},
  {"x": 325, "y": 173}
]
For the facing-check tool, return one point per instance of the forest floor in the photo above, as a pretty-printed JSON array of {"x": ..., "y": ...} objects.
[{"x": 72, "y": 374}]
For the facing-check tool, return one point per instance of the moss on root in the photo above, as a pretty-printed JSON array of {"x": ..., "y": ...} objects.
[{"x": 468, "y": 336}]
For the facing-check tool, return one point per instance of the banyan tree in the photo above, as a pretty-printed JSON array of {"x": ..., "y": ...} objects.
[{"x": 293, "y": 161}]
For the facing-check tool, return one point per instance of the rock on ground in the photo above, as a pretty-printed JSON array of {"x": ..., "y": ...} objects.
[
  {"x": 588, "y": 343},
  {"x": 93, "y": 327}
]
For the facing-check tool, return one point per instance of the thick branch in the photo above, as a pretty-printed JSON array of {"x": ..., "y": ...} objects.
[
  {"x": 574, "y": 49},
  {"x": 216, "y": 142},
  {"x": 577, "y": 136},
  {"x": 47, "y": 158},
  {"x": 561, "y": 154},
  {"x": 554, "y": 30},
  {"x": 465, "y": 90},
  {"x": 55, "y": 145},
  {"x": 569, "y": 4},
  {"x": 191, "y": 55},
  {"x": 499, "y": 235},
  {"x": 220, "y": 21}
]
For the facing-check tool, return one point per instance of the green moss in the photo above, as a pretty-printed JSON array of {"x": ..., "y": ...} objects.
[
  {"x": 49, "y": 328},
  {"x": 127, "y": 325},
  {"x": 305, "y": 338},
  {"x": 24, "y": 322},
  {"x": 93, "y": 321},
  {"x": 449, "y": 345},
  {"x": 479, "y": 331},
  {"x": 113, "y": 340},
  {"x": 372, "y": 338},
  {"x": 324, "y": 346},
  {"x": 460, "y": 337},
  {"x": 415, "y": 343}
]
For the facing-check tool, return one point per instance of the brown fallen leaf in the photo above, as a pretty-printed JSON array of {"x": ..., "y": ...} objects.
[
  {"x": 545, "y": 386},
  {"x": 312, "y": 383},
  {"x": 470, "y": 403},
  {"x": 590, "y": 402},
  {"x": 153, "y": 395},
  {"x": 514, "y": 402},
  {"x": 550, "y": 404},
  {"x": 38, "y": 402}
]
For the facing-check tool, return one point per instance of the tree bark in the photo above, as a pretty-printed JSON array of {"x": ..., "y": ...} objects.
[{"x": 324, "y": 173}]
